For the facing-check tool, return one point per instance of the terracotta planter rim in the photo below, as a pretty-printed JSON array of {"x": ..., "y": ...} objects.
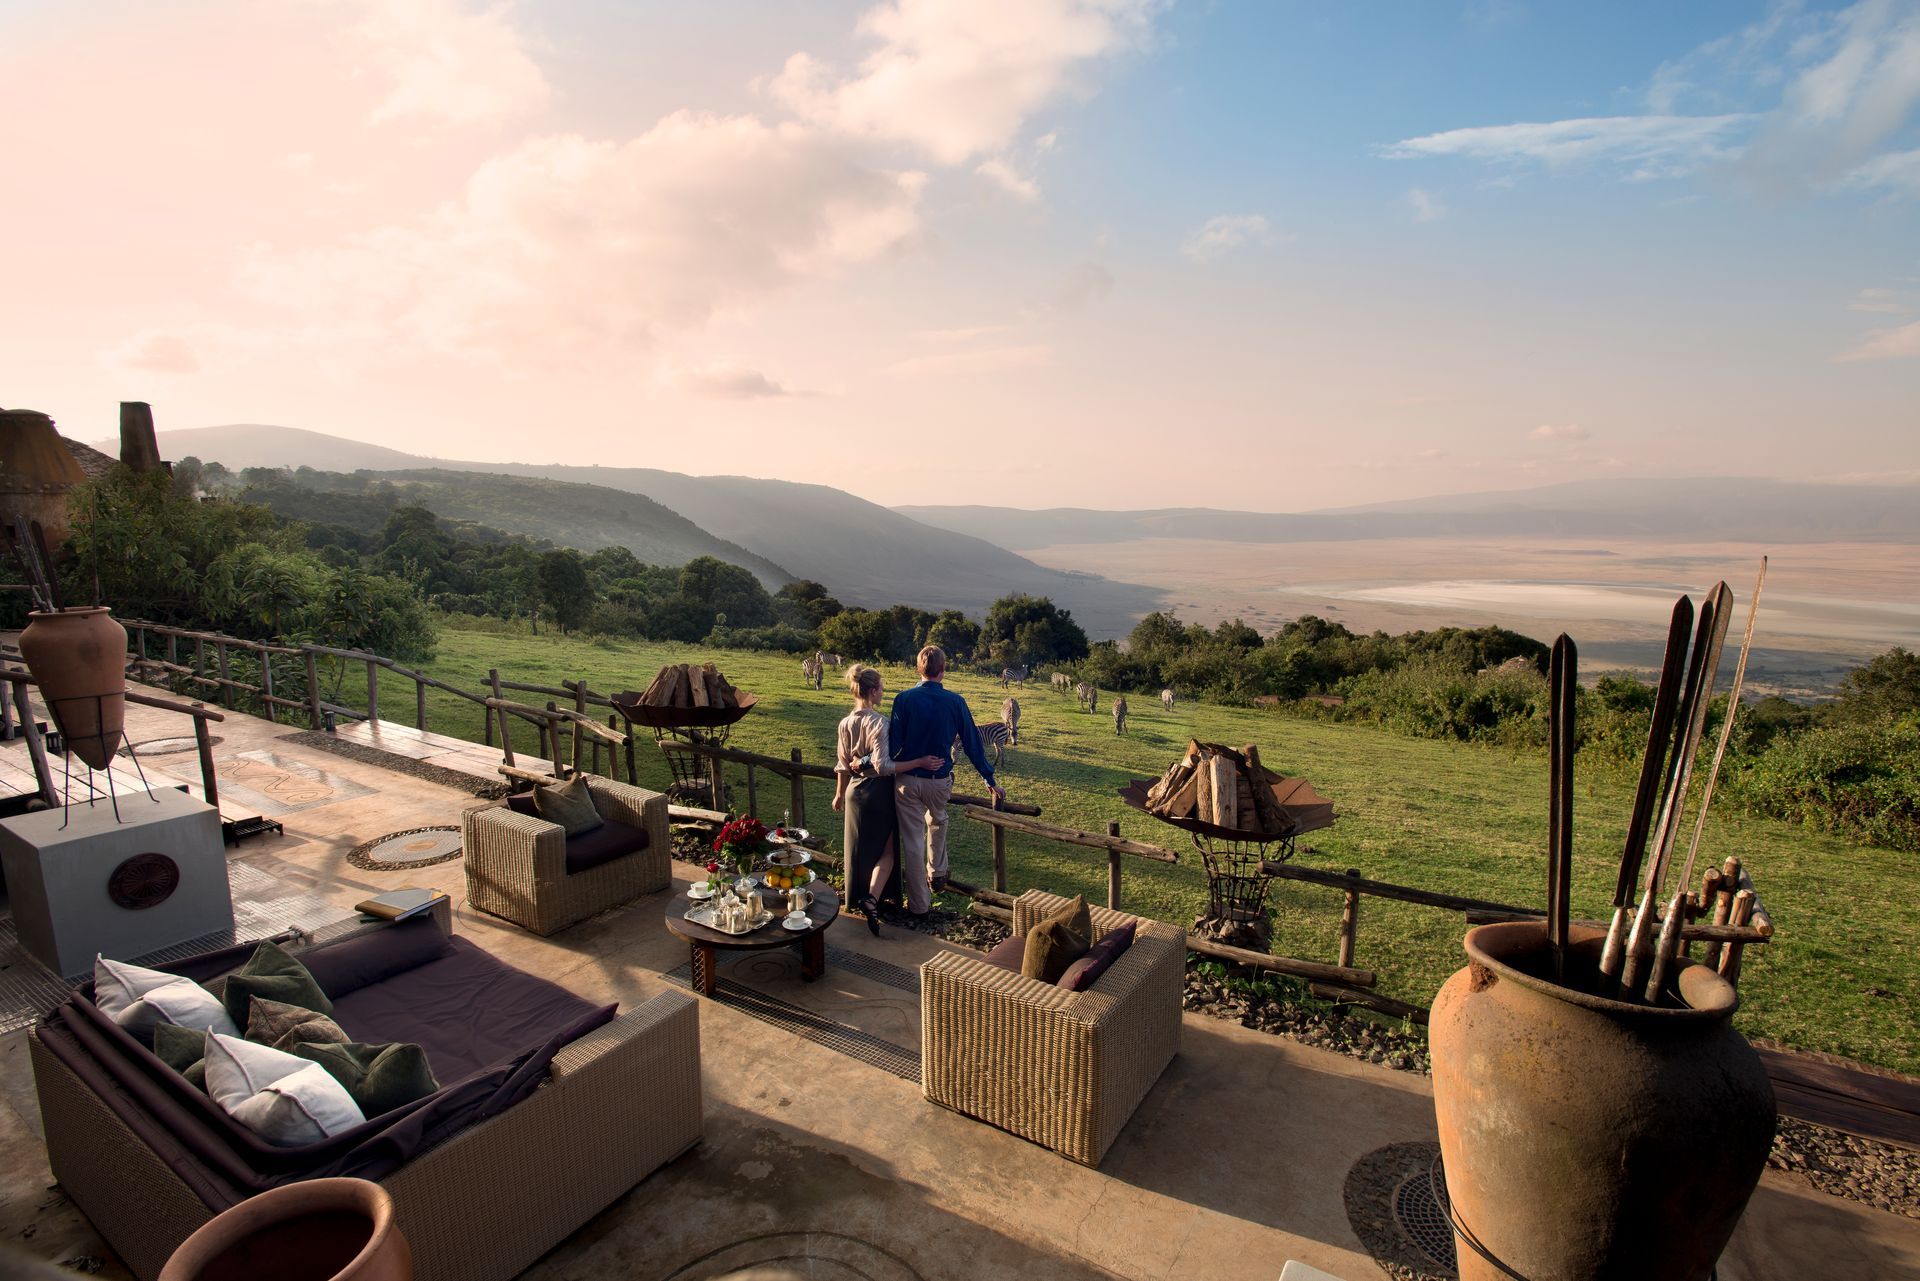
[
  {"x": 358, "y": 1196},
  {"x": 1708, "y": 997},
  {"x": 70, "y": 611}
]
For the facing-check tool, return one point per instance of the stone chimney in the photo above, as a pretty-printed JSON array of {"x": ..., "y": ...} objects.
[{"x": 139, "y": 448}]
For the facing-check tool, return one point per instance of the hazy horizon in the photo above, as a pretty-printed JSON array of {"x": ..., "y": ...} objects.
[{"x": 1108, "y": 253}]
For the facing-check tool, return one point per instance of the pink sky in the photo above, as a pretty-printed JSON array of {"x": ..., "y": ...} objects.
[{"x": 908, "y": 248}]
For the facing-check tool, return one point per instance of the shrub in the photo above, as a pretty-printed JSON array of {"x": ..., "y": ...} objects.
[{"x": 1859, "y": 779}]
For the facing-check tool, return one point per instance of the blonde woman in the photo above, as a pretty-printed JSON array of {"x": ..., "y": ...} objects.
[{"x": 863, "y": 791}]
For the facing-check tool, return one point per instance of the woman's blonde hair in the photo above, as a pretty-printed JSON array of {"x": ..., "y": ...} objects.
[{"x": 864, "y": 681}]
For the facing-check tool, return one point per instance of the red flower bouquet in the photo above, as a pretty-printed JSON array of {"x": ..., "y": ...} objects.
[{"x": 741, "y": 843}]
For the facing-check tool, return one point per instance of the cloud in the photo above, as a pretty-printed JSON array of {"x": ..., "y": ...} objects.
[
  {"x": 566, "y": 243},
  {"x": 153, "y": 351},
  {"x": 1223, "y": 234},
  {"x": 1882, "y": 301},
  {"x": 982, "y": 361},
  {"x": 1897, "y": 171},
  {"x": 1565, "y": 432},
  {"x": 1013, "y": 182},
  {"x": 959, "y": 78},
  {"x": 1426, "y": 206},
  {"x": 1650, "y": 145},
  {"x": 1899, "y": 343},
  {"x": 445, "y": 65},
  {"x": 964, "y": 333},
  {"x": 1081, "y": 284},
  {"x": 725, "y": 380}
]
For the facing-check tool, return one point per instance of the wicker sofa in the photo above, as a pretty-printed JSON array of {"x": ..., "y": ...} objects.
[
  {"x": 478, "y": 1204},
  {"x": 525, "y": 869},
  {"x": 1064, "y": 1069}
]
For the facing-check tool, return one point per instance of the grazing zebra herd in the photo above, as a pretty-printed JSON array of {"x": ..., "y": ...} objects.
[{"x": 1012, "y": 676}]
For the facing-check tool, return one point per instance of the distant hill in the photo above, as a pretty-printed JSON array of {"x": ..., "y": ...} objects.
[
  {"x": 1690, "y": 510},
  {"x": 587, "y": 517},
  {"x": 866, "y": 554}
]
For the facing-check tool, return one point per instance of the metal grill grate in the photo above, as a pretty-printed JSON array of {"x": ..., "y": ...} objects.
[
  {"x": 804, "y": 1023},
  {"x": 1420, "y": 1212},
  {"x": 867, "y": 967}
]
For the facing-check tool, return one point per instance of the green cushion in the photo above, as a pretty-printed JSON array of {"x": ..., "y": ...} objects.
[
  {"x": 273, "y": 974},
  {"x": 570, "y": 805},
  {"x": 284, "y": 1026},
  {"x": 184, "y": 1049},
  {"x": 379, "y": 1077},
  {"x": 1057, "y": 941}
]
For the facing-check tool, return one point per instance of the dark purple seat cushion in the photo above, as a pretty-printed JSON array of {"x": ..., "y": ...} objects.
[
  {"x": 469, "y": 1011},
  {"x": 348, "y": 966},
  {"x": 605, "y": 843},
  {"x": 1007, "y": 953},
  {"x": 522, "y": 803},
  {"x": 1081, "y": 974}
]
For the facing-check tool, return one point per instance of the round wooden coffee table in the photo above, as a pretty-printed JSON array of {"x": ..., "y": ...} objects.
[{"x": 705, "y": 942}]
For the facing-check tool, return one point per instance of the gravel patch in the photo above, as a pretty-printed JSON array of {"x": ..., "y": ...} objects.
[{"x": 1845, "y": 1165}]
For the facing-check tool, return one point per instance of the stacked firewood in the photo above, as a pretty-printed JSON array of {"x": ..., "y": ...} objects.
[
  {"x": 1217, "y": 785},
  {"x": 690, "y": 685}
]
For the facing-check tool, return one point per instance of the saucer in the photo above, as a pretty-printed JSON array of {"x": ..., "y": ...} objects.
[
  {"x": 796, "y": 921},
  {"x": 699, "y": 890}
]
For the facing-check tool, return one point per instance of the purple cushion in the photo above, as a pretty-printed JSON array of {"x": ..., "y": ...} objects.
[
  {"x": 348, "y": 966},
  {"x": 1081, "y": 974},
  {"x": 469, "y": 1011},
  {"x": 1007, "y": 952},
  {"x": 522, "y": 803},
  {"x": 605, "y": 843}
]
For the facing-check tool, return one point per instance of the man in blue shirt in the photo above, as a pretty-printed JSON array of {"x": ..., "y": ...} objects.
[{"x": 926, "y": 720}]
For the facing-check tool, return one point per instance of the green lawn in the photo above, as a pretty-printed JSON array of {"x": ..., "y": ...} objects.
[{"x": 1444, "y": 816}]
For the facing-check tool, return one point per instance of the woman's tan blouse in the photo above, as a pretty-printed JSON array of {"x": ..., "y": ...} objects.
[{"x": 863, "y": 742}]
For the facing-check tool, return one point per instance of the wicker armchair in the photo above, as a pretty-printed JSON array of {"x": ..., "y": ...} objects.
[
  {"x": 1064, "y": 1069},
  {"x": 517, "y": 864}
]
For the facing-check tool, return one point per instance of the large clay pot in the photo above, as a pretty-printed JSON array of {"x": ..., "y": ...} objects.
[
  {"x": 318, "y": 1230},
  {"x": 79, "y": 657},
  {"x": 1586, "y": 1138}
]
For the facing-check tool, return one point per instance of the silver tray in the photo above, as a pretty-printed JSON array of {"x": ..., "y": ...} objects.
[{"x": 709, "y": 916}]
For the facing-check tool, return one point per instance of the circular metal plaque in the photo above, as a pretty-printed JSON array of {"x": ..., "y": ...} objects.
[{"x": 143, "y": 881}]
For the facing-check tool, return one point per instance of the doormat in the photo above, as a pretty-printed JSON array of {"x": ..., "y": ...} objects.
[
  {"x": 415, "y": 847},
  {"x": 263, "y": 906}
]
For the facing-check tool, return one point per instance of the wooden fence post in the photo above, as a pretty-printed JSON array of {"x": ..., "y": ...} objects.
[
  {"x": 550, "y": 742},
  {"x": 1349, "y": 921},
  {"x": 313, "y": 689},
  {"x": 209, "y": 781},
  {"x": 799, "y": 792},
  {"x": 1113, "y": 870},
  {"x": 633, "y": 766},
  {"x": 199, "y": 660},
  {"x": 173, "y": 649},
  {"x": 506, "y": 728},
  {"x": 36, "y": 749},
  {"x": 1000, "y": 859},
  {"x": 753, "y": 792},
  {"x": 486, "y": 721},
  {"x": 420, "y": 706},
  {"x": 226, "y": 674},
  {"x": 266, "y": 684},
  {"x": 373, "y": 691}
]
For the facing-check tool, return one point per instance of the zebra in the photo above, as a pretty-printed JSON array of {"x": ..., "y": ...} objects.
[
  {"x": 1062, "y": 682},
  {"x": 1119, "y": 714},
  {"x": 813, "y": 671},
  {"x": 1088, "y": 696},
  {"x": 994, "y": 737},
  {"x": 1010, "y": 713},
  {"x": 832, "y": 660},
  {"x": 1166, "y": 698},
  {"x": 1013, "y": 675}
]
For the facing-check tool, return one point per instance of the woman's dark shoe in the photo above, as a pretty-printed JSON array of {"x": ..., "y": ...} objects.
[{"x": 871, "y": 906}]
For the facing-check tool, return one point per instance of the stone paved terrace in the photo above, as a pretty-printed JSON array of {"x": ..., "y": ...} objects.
[{"x": 1235, "y": 1163}]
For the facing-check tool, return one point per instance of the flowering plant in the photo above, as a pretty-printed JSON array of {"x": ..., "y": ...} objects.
[
  {"x": 740, "y": 843},
  {"x": 715, "y": 881}
]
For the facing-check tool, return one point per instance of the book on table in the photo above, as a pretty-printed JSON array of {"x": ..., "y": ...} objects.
[{"x": 399, "y": 905}]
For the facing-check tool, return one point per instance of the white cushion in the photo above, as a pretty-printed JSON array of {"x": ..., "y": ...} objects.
[
  {"x": 285, "y": 1099},
  {"x": 136, "y": 998}
]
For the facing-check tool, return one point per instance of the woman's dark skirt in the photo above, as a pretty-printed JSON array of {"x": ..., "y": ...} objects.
[{"x": 869, "y": 826}]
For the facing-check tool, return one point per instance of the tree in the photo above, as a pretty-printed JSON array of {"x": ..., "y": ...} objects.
[
  {"x": 711, "y": 584},
  {"x": 955, "y": 633},
  {"x": 564, "y": 589},
  {"x": 805, "y": 603},
  {"x": 1888, "y": 686},
  {"x": 1024, "y": 629}
]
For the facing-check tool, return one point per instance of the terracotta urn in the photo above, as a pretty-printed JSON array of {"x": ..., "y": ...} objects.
[
  {"x": 317, "y": 1230},
  {"x": 1587, "y": 1138},
  {"x": 79, "y": 658}
]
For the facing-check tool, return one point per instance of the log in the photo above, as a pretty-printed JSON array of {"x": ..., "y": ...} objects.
[
  {"x": 697, "y": 686},
  {"x": 1722, "y": 908},
  {"x": 1371, "y": 1000},
  {"x": 1349, "y": 920},
  {"x": 1071, "y": 836},
  {"x": 1743, "y": 907},
  {"x": 1281, "y": 964},
  {"x": 1224, "y": 783},
  {"x": 1270, "y": 820},
  {"x": 992, "y": 913},
  {"x": 711, "y": 676}
]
